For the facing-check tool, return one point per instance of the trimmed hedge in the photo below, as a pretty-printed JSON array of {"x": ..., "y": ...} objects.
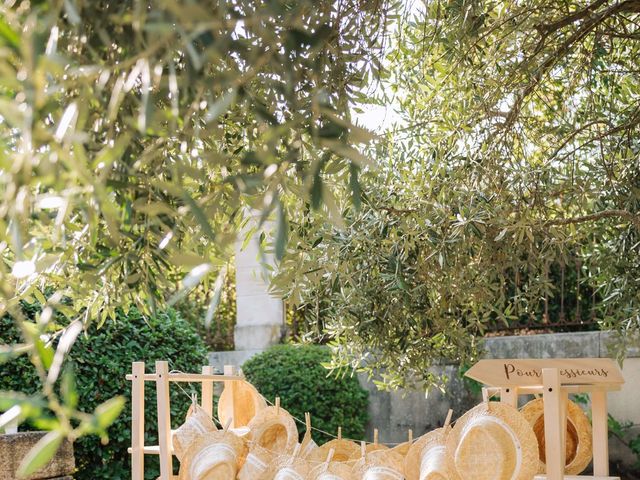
[
  {"x": 101, "y": 360},
  {"x": 295, "y": 374}
]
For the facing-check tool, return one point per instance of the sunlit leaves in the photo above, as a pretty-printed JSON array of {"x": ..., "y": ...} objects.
[
  {"x": 40, "y": 454},
  {"x": 132, "y": 142},
  {"x": 516, "y": 146}
]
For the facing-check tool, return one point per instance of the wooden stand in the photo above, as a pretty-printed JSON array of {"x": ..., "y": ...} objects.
[
  {"x": 163, "y": 379},
  {"x": 554, "y": 379}
]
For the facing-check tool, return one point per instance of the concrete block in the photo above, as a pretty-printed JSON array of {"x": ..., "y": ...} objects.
[
  {"x": 235, "y": 357},
  {"x": 608, "y": 339},
  {"x": 14, "y": 447}
]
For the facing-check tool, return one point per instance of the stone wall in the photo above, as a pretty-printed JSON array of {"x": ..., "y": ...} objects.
[
  {"x": 394, "y": 413},
  {"x": 14, "y": 447}
]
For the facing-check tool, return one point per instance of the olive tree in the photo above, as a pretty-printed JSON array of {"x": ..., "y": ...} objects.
[
  {"x": 133, "y": 135},
  {"x": 516, "y": 154}
]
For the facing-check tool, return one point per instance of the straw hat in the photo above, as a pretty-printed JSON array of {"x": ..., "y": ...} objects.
[
  {"x": 256, "y": 464},
  {"x": 288, "y": 467},
  {"x": 404, "y": 448},
  {"x": 426, "y": 459},
  {"x": 241, "y": 401},
  {"x": 307, "y": 445},
  {"x": 214, "y": 456},
  {"x": 375, "y": 446},
  {"x": 380, "y": 465},
  {"x": 332, "y": 471},
  {"x": 492, "y": 441},
  {"x": 344, "y": 451},
  {"x": 198, "y": 423},
  {"x": 579, "y": 448},
  {"x": 329, "y": 470},
  {"x": 275, "y": 429}
]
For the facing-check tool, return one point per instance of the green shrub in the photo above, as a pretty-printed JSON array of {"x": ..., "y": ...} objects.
[
  {"x": 101, "y": 360},
  {"x": 295, "y": 374}
]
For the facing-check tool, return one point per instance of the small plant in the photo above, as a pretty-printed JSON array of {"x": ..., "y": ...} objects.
[{"x": 296, "y": 374}]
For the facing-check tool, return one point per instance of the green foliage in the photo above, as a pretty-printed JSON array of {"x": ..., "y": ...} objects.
[
  {"x": 100, "y": 360},
  {"x": 296, "y": 374},
  {"x": 214, "y": 325},
  {"x": 133, "y": 136},
  {"x": 515, "y": 155}
]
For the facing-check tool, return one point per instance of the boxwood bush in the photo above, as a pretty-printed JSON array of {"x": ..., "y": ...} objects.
[
  {"x": 295, "y": 374},
  {"x": 101, "y": 360}
]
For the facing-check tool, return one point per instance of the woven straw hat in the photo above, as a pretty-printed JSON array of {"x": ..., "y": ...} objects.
[
  {"x": 375, "y": 446},
  {"x": 329, "y": 470},
  {"x": 214, "y": 456},
  {"x": 426, "y": 459},
  {"x": 241, "y": 401},
  {"x": 332, "y": 471},
  {"x": 198, "y": 423},
  {"x": 579, "y": 448},
  {"x": 492, "y": 441},
  {"x": 344, "y": 451},
  {"x": 257, "y": 463},
  {"x": 380, "y": 465},
  {"x": 275, "y": 429},
  {"x": 288, "y": 467},
  {"x": 404, "y": 448}
]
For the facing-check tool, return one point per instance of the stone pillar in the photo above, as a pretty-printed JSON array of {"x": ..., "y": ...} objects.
[{"x": 260, "y": 316}]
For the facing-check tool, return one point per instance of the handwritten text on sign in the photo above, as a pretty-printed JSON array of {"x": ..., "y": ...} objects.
[{"x": 528, "y": 372}]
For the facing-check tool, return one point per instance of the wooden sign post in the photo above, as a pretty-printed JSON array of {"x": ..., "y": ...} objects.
[
  {"x": 554, "y": 379},
  {"x": 162, "y": 378}
]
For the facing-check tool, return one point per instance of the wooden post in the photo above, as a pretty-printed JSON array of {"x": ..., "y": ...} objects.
[
  {"x": 231, "y": 385},
  {"x": 554, "y": 424},
  {"x": 164, "y": 420},
  {"x": 137, "y": 421},
  {"x": 599, "y": 418},
  {"x": 206, "y": 396},
  {"x": 509, "y": 395}
]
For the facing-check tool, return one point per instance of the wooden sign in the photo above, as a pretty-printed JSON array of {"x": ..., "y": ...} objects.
[{"x": 528, "y": 372}]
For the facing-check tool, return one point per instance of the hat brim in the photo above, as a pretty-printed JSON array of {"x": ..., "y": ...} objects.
[
  {"x": 519, "y": 431},
  {"x": 274, "y": 429},
  {"x": 413, "y": 458},
  {"x": 379, "y": 458},
  {"x": 237, "y": 444},
  {"x": 241, "y": 401},
  {"x": 256, "y": 466},
  {"x": 343, "y": 451},
  {"x": 579, "y": 435},
  {"x": 342, "y": 470},
  {"x": 299, "y": 465}
]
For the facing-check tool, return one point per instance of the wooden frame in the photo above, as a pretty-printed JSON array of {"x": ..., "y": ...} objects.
[
  {"x": 549, "y": 384},
  {"x": 162, "y": 379},
  {"x": 549, "y": 378}
]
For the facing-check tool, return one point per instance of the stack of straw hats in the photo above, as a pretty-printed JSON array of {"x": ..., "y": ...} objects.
[{"x": 492, "y": 441}]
